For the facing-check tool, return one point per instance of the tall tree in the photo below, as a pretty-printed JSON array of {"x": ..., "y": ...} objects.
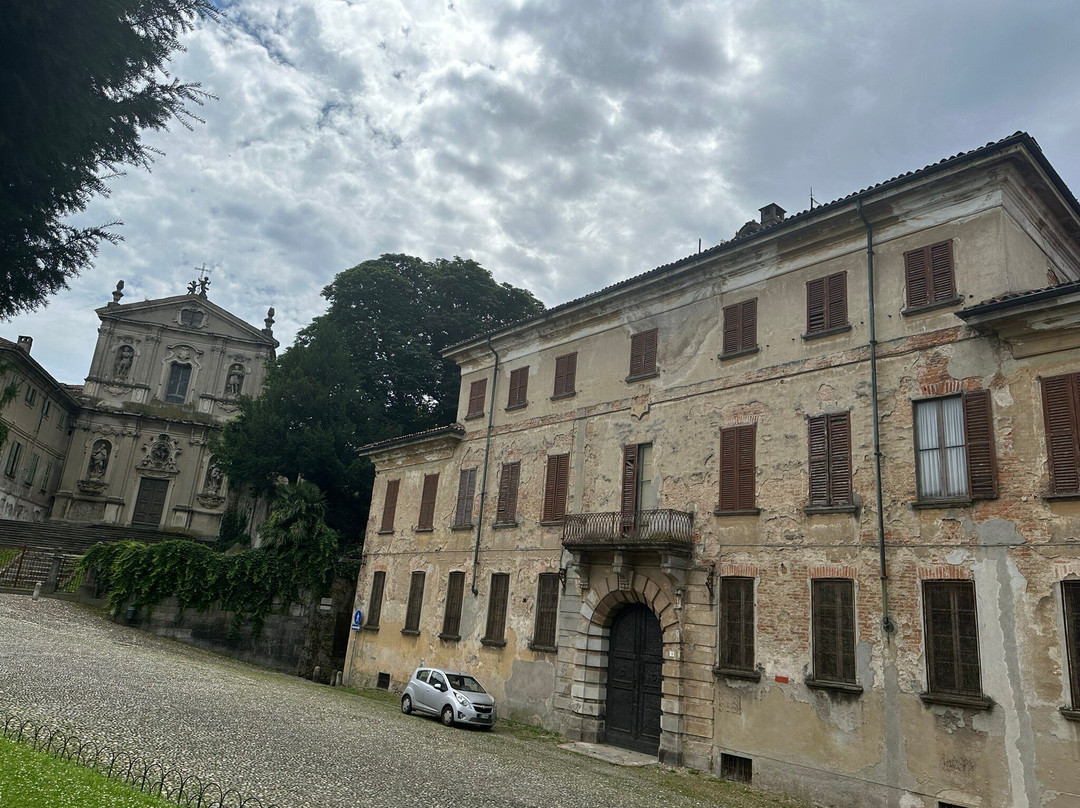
[
  {"x": 369, "y": 368},
  {"x": 80, "y": 81}
]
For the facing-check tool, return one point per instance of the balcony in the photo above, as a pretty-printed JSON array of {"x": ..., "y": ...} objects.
[{"x": 664, "y": 531}]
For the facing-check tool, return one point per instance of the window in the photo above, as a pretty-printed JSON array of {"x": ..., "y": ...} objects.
[
  {"x": 737, "y": 624},
  {"x": 826, "y": 304},
  {"x": 477, "y": 393},
  {"x": 191, "y": 317},
  {"x": 952, "y": 638},
  {"x": 13, "y": 459},
  {"x": 1070, "y": 598},
  {"x": 833, "y": 620},
  {"x": 565, "y": 375},
  {"x": 506, "y": 510},
  {"x": 643, "y": 355},
  {"x": 415, "y": 604},
  {"x": 374, "y": 612},
  {"x": 427, "y": 502},
  {"x": 737, "y": 469},
  {"x": 45, "y": 477},
  {"x": 558, "y": 469},
  {"x": 60, "y": 420},
  {"x": 519, "y": 388},
  {"x": 46, "y": 407},
  {"x": 31, "y": 396},
  {"x": 495, "y": 633},
  {"x": 547, "y": 610},
  {"x": 455, "y": 593},
  {"x": 31, "y": 470},
  {"x": 740, "y": 328},
  {"x": 830, "y": 460},
  {"x": 179, "y": 376},
  {"x": 639, "y": 489},
  {"x": 954, "y": 448},
  {"x": 389, "y": 506},
  {"x": 928, "y": 272},
  {"x": 1061, "y": 415},
  {"x": 465, "y": 494}
]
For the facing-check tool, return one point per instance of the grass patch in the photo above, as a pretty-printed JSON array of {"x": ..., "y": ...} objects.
[
  {"x": 7, "y": 555},
  {"x": 30, "y": 779}
]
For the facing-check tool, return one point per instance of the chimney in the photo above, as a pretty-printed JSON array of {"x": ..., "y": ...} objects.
[
  {"x": 772, "y": 214},
  {"x": 26, "y": 343}
]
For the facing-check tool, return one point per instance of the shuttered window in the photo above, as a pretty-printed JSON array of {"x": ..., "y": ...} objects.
[
  {"x": 830, "y": 460},
  {"x": 737, "y": 468},
  {"x": 506, "y": 511},
  {"x": 558, "y": 469},
  {"x": 519, "y": 388},
  {"x": 374, "y": 612},
  {"x": 740, "y": 327},
  {"x": 737, "y": 624},
  {"x": 455, "y": 593},
  {"x": 929, "y": 275},
  {"x": 565, "y": 375},
  {"x": 427, "y": 502},
  {"x": 826, "y": 304},
  {"x": 833, "y": 619},
  {"x": 13, "y": 459},
  {"x": 1061, "y": 416},
  {"x": 1070, "y": 597},
  {"x": 465, "y": 496},
  {"x": 643, "y": 354},
  {"x": 415, "y": 604},
  {"x": 954, "y": 447},
  {"x": 952, "y": 638},
  {"x": 477, "y": 393},
  {"x": 630, "y": 470},
  {"x": 495, "y": 633},
  {"x": 389, "y": 506},
  {"x": 547, "y": 609}
]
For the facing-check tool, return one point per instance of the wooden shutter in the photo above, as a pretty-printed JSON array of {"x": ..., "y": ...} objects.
[
  {"x": 836, "y": 301},
  {"x": 506, "y": 511},
  {"x": 643, "y": 353},
  {"x": 833, "y": 620},
  {"x": 427, "y": 502},
  {"x": 496, "y": 618},
  {"x": 519, "y": 385},
  {"x": 815, "y": 306},
  {"x": 547, "y": 609},
  {"x": 415, "y": 604},
  {"x": 979, "y": 439},
  {"x": 740, "y": 327},
  {"x": 1060, "y": 394},
  {"x": 390, "y": 506},
  {"x": 840, "y": 459},
  {"x": 952, "y": 643},
  {"x": 929, "y": 274},
  {"x": 1070, "y": 597},
  {"x": 558, "y": 468},
  {"x": 737, "y": 468},
  {"x": 455, "y": 591},
  {"x": 378, "y": 581},
  {"x": 477, "y": 393},
  {"x": 629, "y": 479},
  {"x": 737, "y": 624},
  {"x": 466, "y": 494},
  {"x": 916, "y": 277},
  {"x": 565, "y": 374},
  {"x": 818, "y": 431}
]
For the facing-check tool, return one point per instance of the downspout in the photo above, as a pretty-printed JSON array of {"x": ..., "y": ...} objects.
[
  {"x": 483, "y": 476},
  {"x": 887, "y": 624}
]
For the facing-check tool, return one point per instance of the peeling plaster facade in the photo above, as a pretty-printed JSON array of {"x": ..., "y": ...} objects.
[{"x": 1013, "y": 228}]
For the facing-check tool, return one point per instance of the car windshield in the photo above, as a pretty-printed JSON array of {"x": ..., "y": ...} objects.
[{"x": 466, "y": 684}]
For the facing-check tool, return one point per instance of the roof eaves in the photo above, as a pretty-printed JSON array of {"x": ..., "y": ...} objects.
[{"x": 454, "y": 430}]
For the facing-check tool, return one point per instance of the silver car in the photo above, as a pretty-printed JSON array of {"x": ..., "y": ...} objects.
[{"x": 454, "y": 697}]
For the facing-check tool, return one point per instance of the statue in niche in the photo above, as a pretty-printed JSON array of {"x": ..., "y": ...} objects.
[
  {"x": 235, "y": 380},
  {"x": 214, "y": 479},
  {"x": 125, "y": 355},
  {"x": 99, "y": 458}
]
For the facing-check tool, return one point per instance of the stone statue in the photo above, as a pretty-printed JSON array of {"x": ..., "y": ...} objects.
[
  {"x": 214, "y": 479},
  {"x": 192, "y": 287},
  {"x": 204, "y": 283},
  {"x": 119, "y": 293},
  {"x": 125, "y": 355},
  {"x": 99, "y": 458},
  {"x": 235, "y": 380}
]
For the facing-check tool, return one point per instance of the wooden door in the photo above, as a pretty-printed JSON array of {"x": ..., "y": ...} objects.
[
  {"x": 634, "y": 681},
  {"x": 150, "y": 502}
]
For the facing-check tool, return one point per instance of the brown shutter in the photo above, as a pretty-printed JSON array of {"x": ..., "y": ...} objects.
[
  {"x": 415, "y": 604},
  {"x": 836, "y": 300},
  {"x": 519, "y": 384},
  {"x": 952, "y": 643},
  {"x": 390, "y": 505},
  {"x": 1062, "y": 438},
  {"x": 378, "y": 581},
  {"x": 496, "y": 622},
  {"x": 840, "y": 459},
  {"x": 637, "y": 355},
  {"x": 565, "y": 373},
  {"x": 648, "y": 358},
  {"x": 747, "y": 471},
  {"x": 979, "y": 437},
  {"x": 477, "y": 393},
  {"x": 818, "y": 437},
  {"x": 833, "y": 620},
  {"x": 1070, "y": 597},
  {"x": 506, "y": 511},
  {"x": 629, "y": 478},
  {"x": 942, "y": 275},
  {"x": 427, "y": 502},
  {"x": 732, "y": 329},
  {"x": 915, "y": 275},
  {"x": 815, "y": 306},
  {"x": 748, "y": 325},
  {"x": 729, "y": 462},
  {"x": 455, "y": 591},
  {"x": 555, "y": 488},
  {"x": 571, "y": 372},
  {"x": 547, "y": 609},
  {"x": 465, "y": 497}
]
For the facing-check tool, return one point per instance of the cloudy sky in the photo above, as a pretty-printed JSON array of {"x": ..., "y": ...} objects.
[{"x": 563, "y": 144}]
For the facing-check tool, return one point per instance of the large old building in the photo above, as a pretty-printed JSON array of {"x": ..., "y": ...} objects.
[
  {"x": 803, "y": 508},
  {"x": 131, "y": 446}
]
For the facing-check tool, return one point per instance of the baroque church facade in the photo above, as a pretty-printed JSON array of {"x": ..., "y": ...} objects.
[{"x": 130, "y": 447}]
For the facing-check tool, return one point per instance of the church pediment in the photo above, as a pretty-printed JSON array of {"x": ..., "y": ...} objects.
[{"x": 184, "y": 314}]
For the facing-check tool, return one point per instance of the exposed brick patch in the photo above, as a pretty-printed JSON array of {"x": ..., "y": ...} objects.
[
  {"x": 1067, "y": 569},
  {"x": 739, "y": 570},
  {"x": 945, "y": 572},
  {"x": 831, "y": 571}
]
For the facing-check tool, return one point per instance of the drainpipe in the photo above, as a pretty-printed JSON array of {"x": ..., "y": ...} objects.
[
  {"x": 483, "y": 476},
  {"x": 887, "y": 624}
]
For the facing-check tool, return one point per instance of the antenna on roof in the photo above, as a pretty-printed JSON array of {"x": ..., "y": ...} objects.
[
  {"x": 699, "y": 245},
  {"x": 812, "y": 200}
]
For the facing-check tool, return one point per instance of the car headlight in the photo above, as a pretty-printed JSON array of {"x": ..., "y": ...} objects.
[{"x": 464, "y": 702}]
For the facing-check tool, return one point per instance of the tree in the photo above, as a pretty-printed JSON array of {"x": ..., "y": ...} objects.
[
  {"x": 370, "y": 368},
  {"x": 79, "y": 83}
]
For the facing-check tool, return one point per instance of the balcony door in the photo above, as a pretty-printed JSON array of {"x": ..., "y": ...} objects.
[
  {"x": 634, "y": 681},
  {"x": 640, "y": 486}
]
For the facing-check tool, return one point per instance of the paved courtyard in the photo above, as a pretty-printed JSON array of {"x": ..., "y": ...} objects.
[{"x": 290, "y": 741}]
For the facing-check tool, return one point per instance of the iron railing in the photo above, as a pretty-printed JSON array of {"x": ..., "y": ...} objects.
[
  {"x": 646, "y": 530},
  {"x": 25, "y": 567}
]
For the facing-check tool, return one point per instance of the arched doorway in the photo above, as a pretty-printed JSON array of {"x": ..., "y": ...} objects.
[{"x": 634, "y": 680}]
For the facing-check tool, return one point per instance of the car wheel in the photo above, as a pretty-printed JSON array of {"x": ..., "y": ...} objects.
[
  {"x": 406, "y": 704},
  {"x": 448, "y": 716}
]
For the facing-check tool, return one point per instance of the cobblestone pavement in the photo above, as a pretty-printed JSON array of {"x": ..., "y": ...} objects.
[{"x": 281, "y": 738}]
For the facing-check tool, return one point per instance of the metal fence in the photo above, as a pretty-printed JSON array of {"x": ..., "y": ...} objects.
[
  {"x": 153, "y": 778},
  {"x": 25, "y": 567}
]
